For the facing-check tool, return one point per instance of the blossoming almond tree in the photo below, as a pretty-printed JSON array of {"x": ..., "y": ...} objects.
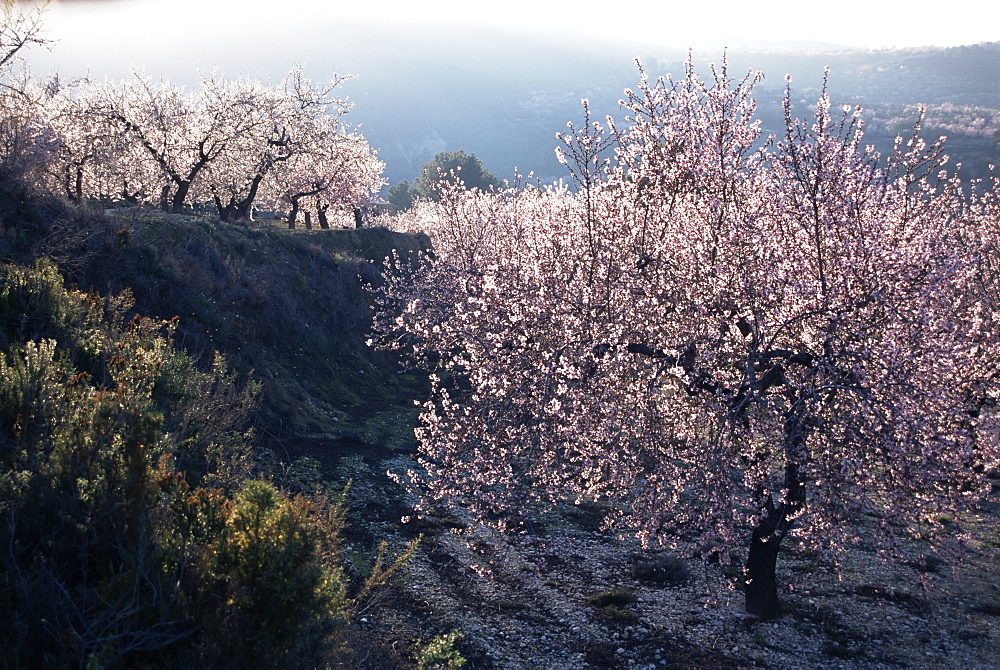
[
  {"x": 221, "y": 143},
  {"x": 729, "y": 336},
  {"x": 178, "y": 133},
  {"x": 296, "y": 119},
  {"x": 340, "y": 171},
  {"x": 90, "y": 153},
  {"x": 25, "y": 147}
]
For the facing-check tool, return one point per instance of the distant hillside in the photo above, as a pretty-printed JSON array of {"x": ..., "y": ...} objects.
[
  {"x": 503, "y": 96},
  {"x": 508, "y": 109},
  {"x": 958, "y": 87}
]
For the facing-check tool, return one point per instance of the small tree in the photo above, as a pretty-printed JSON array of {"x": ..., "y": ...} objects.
[
  {"x": 341, "y": 171},
  {"x": 224, "y": 142},
  {"x": 730, "y": 337},
  {"x": 402, "y": 195},
  {"x": 297, "y": 120},
  {"x": 453, "y": 167},
  {"x": 25, "y": 147},
  {"x": 90, "y": 153}
]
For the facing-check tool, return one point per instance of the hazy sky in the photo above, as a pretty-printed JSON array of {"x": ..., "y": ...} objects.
[
  {"x": 864, "y": 23},
  {"x": 436, "y": 75},
  {"x": 857, "y": 23}
]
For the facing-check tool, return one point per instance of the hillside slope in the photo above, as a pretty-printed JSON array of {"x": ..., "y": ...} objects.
[{"x": 287, "y": 308}]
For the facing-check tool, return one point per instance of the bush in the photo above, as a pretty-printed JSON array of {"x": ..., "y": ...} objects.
[
  {"x": 616, "y": 597},
  {"x": 258, "y": 573},
  {"x": 440, "y": 652},
  {"x": 109, "y": 554}
]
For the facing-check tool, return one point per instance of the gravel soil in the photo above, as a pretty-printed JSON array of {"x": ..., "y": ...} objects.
[{"x": 569, "y": 595}]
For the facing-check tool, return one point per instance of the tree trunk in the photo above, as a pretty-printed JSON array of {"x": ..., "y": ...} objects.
[
  {"x": 294, "y": 214},
  {"x": 129, "y": 197},
  {"x": 241, "y": 209},
  {"x": 219, "y": 206},
  {"x": 309, "y": 221},
  {"x": 180, "y": 195},
  {"x": 78, "y": 185},
  {"x": 324, "y": 222},
  {"x": 761, "y": 589},
  {"x": 67, "y": 180},
  {"x": 359, "y": 218}
]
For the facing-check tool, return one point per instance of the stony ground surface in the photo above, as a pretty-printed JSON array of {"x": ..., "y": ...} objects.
[{"x": 570, "y": 596}]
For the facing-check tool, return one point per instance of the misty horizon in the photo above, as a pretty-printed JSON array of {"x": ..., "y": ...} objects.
[{"x": 421, "y": 88}]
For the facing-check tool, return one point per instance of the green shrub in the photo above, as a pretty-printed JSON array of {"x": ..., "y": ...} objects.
[
  {"x": 663, "y": 570},
  {"x": 617, "y": 614},
  {"x": 129, "y": 535},
  {"x": 258, "y": 573},
  {"x": 440, "y": 652}
]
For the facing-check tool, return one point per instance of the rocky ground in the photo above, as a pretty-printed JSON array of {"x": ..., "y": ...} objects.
[{"x": 568, "y": 595}]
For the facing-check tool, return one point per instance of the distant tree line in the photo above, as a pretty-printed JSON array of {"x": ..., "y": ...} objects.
[{"x": 232, "y": 145}]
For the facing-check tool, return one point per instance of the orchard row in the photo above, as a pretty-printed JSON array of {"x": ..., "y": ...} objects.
[{"x": 234, "y": 145}]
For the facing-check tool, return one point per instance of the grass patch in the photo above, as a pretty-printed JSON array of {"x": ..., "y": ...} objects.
[
  {"x": 660, "y": 570},
  {"x": 617, "y": 614},
  {"x": 615, "y": 597}
]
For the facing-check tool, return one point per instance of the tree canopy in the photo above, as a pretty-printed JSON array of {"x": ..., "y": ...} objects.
[
  {"x": 453, "y": 167},
  {"x": 725, "y": 335},
  {"x": 447, "y": 168},
  {"x": 237, "y": 144}
]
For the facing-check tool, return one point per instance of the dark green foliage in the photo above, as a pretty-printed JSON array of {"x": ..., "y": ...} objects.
[
  {"x": 402, "y": 195},
  {"x": 440, "y": 652},
  {"x": 450, "y": 167},
  {"x": 108, "y": 555},
  {"x": 257, "y": 573},
  {"x": 446, "y": 168},
  {"x": 617, "y": 614},
  {"x": 617, "y": 597},
  {"x": 611, "y": 605}
]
